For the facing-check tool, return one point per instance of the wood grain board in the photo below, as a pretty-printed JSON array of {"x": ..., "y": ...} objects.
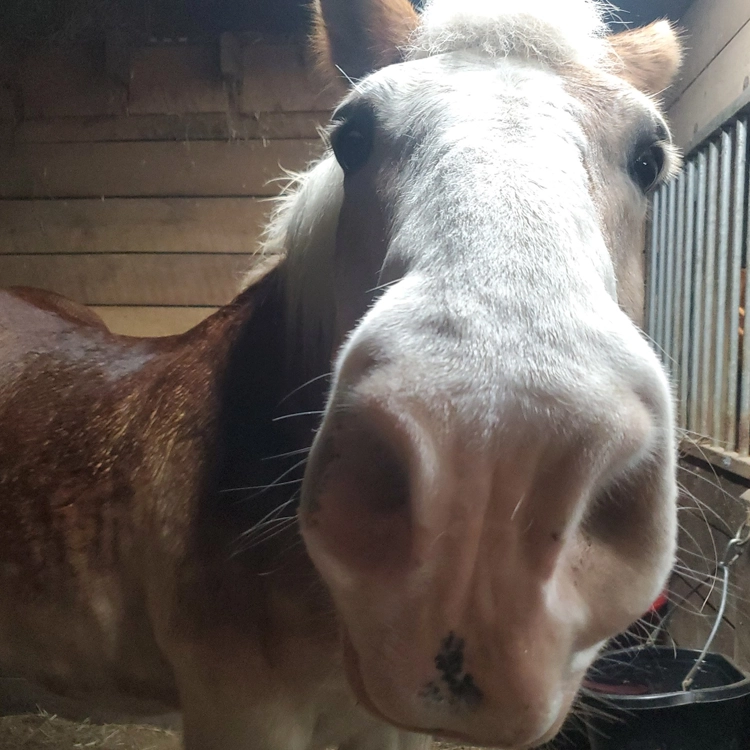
[
  {"x": 131, "y": 279},
  {"x": 176, "y": 80},
  {"x": 152, "y": 321},
  {"x": 172, "y": 79},
  {"x": 69, "y": 82},
  {"x": 279, "y": 78},
  {"x": 716, "y": 88},
  {"x": 132, "y": 225},
  {"x": 204, "y": 168},
  {"x": 186, "y": 127},
  {"x": 145, "y": 195},
  {"x": 7, "y": 104},
  {"x": 709, "y": 26}
]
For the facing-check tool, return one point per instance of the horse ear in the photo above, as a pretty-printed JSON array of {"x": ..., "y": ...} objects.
[
  {"x": 649, "y": 57},
  {"x": 355, "y": 37}
]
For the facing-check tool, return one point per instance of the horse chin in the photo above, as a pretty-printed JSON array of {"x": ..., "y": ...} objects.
[{"x": 356, "y": 683}]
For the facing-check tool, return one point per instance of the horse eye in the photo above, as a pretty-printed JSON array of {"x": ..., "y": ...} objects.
[
  {"x": 352, "y": 142},
  {"x": 647, "y": 167}
]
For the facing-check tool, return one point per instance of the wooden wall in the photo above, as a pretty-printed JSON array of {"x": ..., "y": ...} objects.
[
  {"x": 143, "y": 197},
  {"x": 716, "y": 73}
]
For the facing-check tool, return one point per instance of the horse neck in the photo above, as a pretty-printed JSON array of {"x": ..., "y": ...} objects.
[
  {"x": 242, "y": 537},
  {"x": 267, "y": 413}
]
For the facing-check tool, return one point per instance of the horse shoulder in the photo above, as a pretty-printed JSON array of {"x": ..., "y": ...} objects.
[
  {"x": 97, "y": 433},
  {"x": 117, "y": 562}
]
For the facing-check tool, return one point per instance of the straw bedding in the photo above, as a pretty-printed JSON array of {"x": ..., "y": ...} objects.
[{"x": 46, "y": 732}]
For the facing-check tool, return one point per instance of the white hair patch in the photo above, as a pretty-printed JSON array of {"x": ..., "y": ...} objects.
[{"x": 556, "y": 32}]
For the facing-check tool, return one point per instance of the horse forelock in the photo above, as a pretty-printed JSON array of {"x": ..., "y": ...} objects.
[
  {"x": 302, "y": 228},
  {"x": 553, "y": 32}
]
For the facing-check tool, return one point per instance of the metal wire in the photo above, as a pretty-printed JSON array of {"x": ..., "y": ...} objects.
[
  {"x": 734, "y": 549},
  {"x": 688, "y": 681}
]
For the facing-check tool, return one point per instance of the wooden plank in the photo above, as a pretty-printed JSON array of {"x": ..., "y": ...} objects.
[
  {"x": 69, "y": 82},
  {"x": 191, "y": 127},
  {"x": 152, "y": 321},
  {"x": 717, "y": 122},
  {"x": 726, "y": 460},
  {"x": 709, "y": 26},
  {"x": 118, "y": 54},
  {"x": 132, "y": 225},
  {"x": 279, "y": 78},
  {"x": 7, "y": 103},
  {"x": 205, "y": 168},
  {"x": 148, "y": 280},
  {"x": 716, "y": 88},
  {"x": 230, "y": 57},
  {"x": 176, "y": 80}
]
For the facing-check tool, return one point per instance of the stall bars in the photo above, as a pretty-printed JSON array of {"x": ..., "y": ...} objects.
[{"x": 696, "y": 295}]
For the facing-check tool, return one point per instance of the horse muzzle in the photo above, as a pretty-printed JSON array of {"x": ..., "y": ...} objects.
[{"x": 477, "y": 568}]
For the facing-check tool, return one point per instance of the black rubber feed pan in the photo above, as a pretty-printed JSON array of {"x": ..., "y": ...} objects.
[{"x": 638, "y": 702}]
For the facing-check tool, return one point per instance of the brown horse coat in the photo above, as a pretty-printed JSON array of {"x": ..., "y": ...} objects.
[{"x": 120, "y": 550}]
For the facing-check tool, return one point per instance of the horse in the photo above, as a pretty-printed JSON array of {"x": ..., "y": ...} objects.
[{"x": 411, "y": 480}]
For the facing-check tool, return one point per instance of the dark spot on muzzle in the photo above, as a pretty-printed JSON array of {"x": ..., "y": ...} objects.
[{"x": 461, "y": 690}]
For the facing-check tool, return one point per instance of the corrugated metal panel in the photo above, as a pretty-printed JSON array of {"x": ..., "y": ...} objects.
[{"x": 696, "y": 290}]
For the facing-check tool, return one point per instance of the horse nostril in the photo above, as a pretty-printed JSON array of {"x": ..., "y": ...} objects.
[
  {"x": 624, "y": 513},
  {"x": 356, "y": 495}
]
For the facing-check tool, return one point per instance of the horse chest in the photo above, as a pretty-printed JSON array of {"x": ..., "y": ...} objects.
[{"x": 91, "y": 644}]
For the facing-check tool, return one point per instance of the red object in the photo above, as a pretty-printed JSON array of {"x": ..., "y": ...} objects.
[{"x": 660, "y": 603}]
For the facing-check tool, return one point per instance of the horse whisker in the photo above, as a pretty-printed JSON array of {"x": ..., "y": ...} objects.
[
  {"x": 288, "y": 454},
  {"x": 298, "y": 414},
  {"x": 304, "y": 385}
]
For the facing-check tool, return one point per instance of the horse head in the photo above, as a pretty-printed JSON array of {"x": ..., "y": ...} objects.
[{"x": 491, "y": 494}]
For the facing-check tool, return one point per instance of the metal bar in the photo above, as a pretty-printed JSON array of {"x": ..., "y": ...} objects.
[
  {"x": 718, "y": 431},
  {"x": 738, "y": 221},
  {"x": 653, "y": 263},
  {"x": 662, "y": 277},
  {"x": 744, "y": 416},
  {"x": 697, "y": 318},
  {"x": 687, "y": 341},
  {"x": 669, "y": 290},
  {"x": 679, "y": 311},
  {"x": 709, "y": 294}
]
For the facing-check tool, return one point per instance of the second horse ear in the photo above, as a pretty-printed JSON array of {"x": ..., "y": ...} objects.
[
  {"x": 648, "y": 58},
  {"x": 355, "y": 37}
]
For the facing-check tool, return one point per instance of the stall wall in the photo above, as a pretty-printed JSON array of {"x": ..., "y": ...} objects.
[
  {"x": 144, "y": 196},
  {"x": 716, "y": 73}
]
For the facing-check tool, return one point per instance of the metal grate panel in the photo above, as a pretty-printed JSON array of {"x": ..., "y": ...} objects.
[{"x": 696, "y": 290}]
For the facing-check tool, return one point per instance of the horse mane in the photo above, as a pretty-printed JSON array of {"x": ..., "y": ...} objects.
[{"x": 302, "y": 228}]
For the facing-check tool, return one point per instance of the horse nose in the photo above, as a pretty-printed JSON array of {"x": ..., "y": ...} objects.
[
  {"x": 394, "y": 466},
  {"x": 477, "y": 563}
]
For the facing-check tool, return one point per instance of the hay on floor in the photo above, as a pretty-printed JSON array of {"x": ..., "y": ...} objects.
[{"x": 46, "y": 732}]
